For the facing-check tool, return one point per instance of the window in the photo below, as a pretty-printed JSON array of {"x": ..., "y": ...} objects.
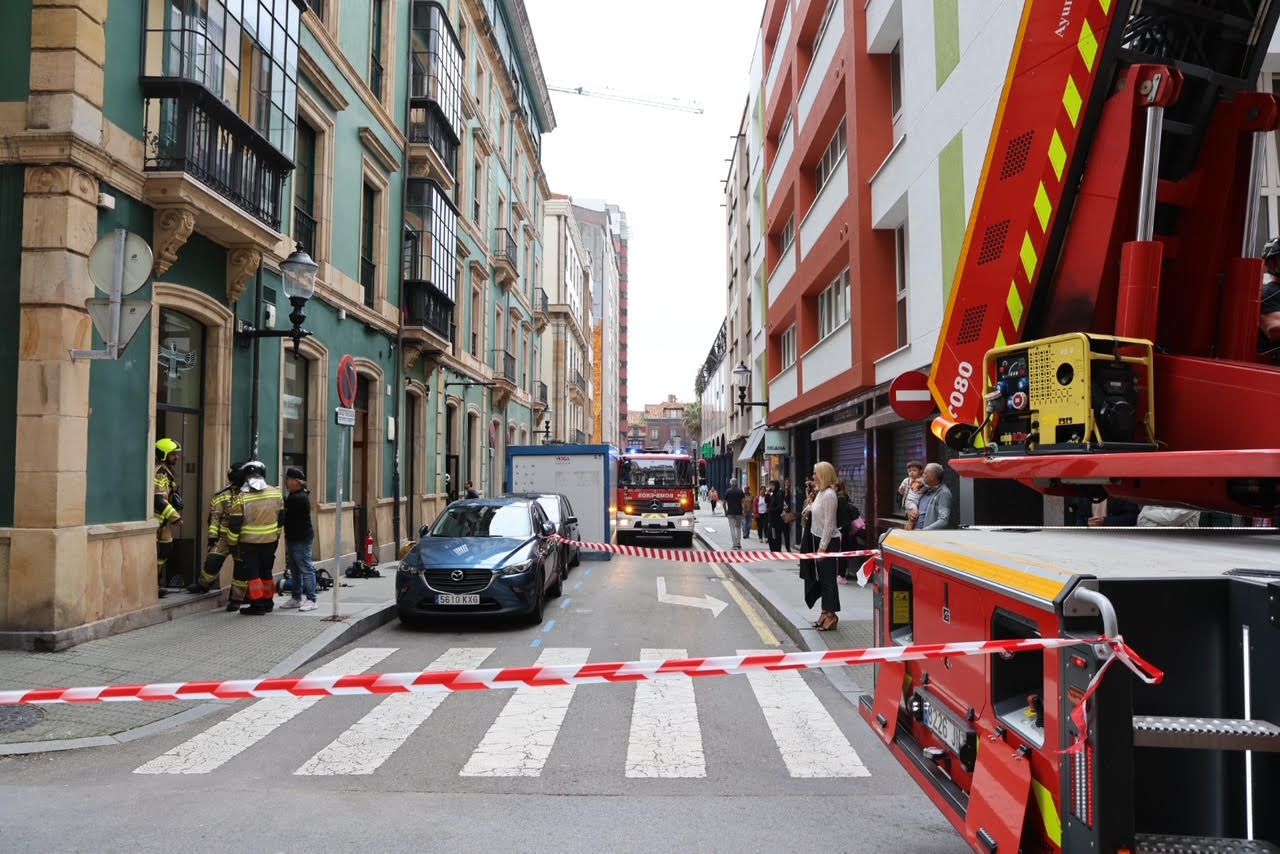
[
  {"x": 293, "y": 411},
  {"x": 900, "y": 247},
  {"x": 431, "y": 229},
  {"x": 895, "y": 79},
  {"x": 788, "y": 234},
  {"x": 375, "y": 48},
  {"x": 476, "y": 195},
  {"x": 653, "y": 433},
  {"x": 435, "y": 79},
  {"x": 304, "y": 189},
  {"x": 826, "y": 20},
  {"x": 788, "y": 348},
  {"x": 833, "y": 305},
  {"x": 368, "y": 244},
  {"x": 830, "y": 158},
  {"x": 477, "y": 312},
  {"x": 786, "y": 129}
]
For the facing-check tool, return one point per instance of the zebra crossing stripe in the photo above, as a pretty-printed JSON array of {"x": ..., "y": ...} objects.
[
  {"x": 808, "y": 738},
  {"x": 520, "y": 740},
  {"x": 666, "y": 740},
  {"x": 227, "y": 739},
  {"x": 372, "y": 740}
]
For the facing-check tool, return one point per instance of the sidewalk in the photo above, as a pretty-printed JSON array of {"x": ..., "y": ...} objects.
[
  {"x": 211, "y": 644},
  {"x": 776, "y": 585}
]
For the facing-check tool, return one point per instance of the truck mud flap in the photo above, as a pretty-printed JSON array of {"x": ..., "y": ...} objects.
[{"x": 998, "y": 799}]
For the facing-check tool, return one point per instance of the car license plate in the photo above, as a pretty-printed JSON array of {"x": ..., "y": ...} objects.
[
  {"x": 458, "y": 599},
  {"x": 947, "y": 728}
]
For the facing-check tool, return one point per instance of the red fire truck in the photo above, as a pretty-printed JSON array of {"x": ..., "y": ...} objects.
[
  {"x": 656, "y": 496},
  {"x": 1089, "y": 358}
]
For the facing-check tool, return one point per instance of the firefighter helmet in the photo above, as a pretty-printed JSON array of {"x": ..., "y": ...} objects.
[
  {"x": 167, "y": 446},
  {"x": 235, "y": 474},
  {"x": 253, "y": 468},
  {"x": 1272, "y": 249}
]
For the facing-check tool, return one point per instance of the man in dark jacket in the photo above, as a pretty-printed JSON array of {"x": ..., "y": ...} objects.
[
  {"x": 776, "y": 502},
  {"x": 298, "y": 535},
  {"x": 733, "y": 511}
]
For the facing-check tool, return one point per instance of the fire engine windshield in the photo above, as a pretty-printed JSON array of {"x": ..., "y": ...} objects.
[{"x": 665, "y": 473}]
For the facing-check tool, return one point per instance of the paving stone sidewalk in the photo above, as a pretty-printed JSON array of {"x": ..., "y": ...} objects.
[
  {"x": 776, "y": 585},
  {"x": 210, "y": 644}
]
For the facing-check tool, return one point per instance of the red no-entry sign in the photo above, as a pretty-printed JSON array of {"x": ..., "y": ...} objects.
[
  {"x": 909, "y": 396},
  {"x": 347, "y": 381}
]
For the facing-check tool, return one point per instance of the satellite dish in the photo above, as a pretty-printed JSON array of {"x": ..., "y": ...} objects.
[{"x": 137, "y": 263}]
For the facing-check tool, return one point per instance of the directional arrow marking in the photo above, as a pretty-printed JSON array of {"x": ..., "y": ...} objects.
[{"x": 715, "y": 606}]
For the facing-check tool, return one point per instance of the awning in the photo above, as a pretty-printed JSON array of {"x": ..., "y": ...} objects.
[
  {"x": 853, "y": 425},
  {"x": 753, "y": 443},
  {"x": 883, "y": 417}
]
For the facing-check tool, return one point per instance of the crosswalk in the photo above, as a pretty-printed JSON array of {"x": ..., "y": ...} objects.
[{"x": 665, "y": 737}]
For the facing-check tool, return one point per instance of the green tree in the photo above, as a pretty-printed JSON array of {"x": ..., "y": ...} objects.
[{"x": 693, "y": 423}]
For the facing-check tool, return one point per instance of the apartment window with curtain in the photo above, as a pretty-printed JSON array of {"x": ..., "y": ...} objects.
[
  {"x": 304, "y": 189},
  {"x": 833, "y": 305},
  {"x": 377, "y": 19},
  {"x": 788, "y": 348},
  {"x": 368, "y": 243},
  {"x": 900, "y": 249},
  {"x": 830, "y": 158}
]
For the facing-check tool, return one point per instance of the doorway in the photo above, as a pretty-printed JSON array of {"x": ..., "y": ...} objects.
[
  {"x": 451, "y": 453},
  {"x": 413, "y": 501},
  {"x": 361, "y": 468},
  {"x": 180, "y": 416}
]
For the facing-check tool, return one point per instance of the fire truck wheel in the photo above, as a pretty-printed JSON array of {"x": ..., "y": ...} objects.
[{"x": 684, "y": 540}]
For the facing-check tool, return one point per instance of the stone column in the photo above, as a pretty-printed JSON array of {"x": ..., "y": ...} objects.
[{"x": 47, "y": 570}]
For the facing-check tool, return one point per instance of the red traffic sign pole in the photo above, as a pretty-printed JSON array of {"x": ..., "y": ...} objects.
[
  {"x": 347, "y": 381},
  {"x": 909, "y": 396}
]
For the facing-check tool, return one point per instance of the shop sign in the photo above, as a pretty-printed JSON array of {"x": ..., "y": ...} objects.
[{"x": 777, "y": 442}]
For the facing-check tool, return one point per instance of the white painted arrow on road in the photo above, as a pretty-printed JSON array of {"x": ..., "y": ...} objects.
[{"x": 715, "y": 606}]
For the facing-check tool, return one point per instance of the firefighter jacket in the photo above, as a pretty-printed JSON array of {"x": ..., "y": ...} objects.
[
  {"x": 255, "y": 517},
  {"x": 219, "y": 510},
  {"x": 165, "y": 485}
]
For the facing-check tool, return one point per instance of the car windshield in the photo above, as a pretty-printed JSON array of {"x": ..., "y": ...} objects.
[
  {"x": 551, "y": 505},
  {"x": 484, "y": 520},
  {"x": 659, "y": 472}
]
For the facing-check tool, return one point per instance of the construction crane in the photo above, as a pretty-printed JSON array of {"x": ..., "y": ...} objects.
[{"x": 608, "y": 95}]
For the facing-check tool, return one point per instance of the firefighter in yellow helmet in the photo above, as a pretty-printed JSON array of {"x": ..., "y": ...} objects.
[
  {"x": 219, "y": 509},
  {"x": 167, "y": 503},
  {"x": 254, "y": 525}
]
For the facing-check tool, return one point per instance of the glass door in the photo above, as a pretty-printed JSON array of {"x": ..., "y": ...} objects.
[{"x": 180, "y": 416}]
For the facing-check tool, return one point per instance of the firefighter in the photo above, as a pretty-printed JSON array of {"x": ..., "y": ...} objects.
[
  {"x": 167, "y": 505},
  {"x": 254, "y": 524},
  {"x": 218, "y": 550}
]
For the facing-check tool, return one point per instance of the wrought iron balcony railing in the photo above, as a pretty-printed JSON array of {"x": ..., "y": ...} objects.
[
  {"x": 508, "y": 367},
  {"x": 542, "y": 393},
  {"x": 422, "y": 304},
  {"x": 579, "y": 381},
  {"x": 540, "y": 301},
  {"x": 304, "y": 230},
  {"x": 375, "y": 75},
  {"x": 504, "y": 246},
  {"x": 368, "y": 279}
]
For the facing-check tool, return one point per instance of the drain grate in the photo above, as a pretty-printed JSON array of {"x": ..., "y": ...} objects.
[{"x": 18, "y": 718}]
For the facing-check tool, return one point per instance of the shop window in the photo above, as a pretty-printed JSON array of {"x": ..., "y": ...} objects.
[
  {"x": 901, "y": 607},
  {"x": 294, "y": 408},
  {"x": 1017, "y": 681}
]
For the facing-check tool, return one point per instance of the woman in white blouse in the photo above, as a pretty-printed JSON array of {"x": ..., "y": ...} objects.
[{"x": 825, "y": 537}]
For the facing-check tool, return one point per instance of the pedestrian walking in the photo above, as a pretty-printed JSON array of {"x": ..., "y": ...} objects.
[
  {"x": 298, "y": 536},
  {"x": 733, "y": 498},
  {"x": 471, "y": 490},
  {"x": 254, "y": 531},
  {"x": 774, "y": 515},
  {"x": 217, "y": 547},
  {"x": 762, "y": 514},
  {"x": 820, "y": 580},
  {"x": 167, "y": 506},
  {"x": 846, "y": 514},
  {"x": 748, "y": 513},
  {"x": 714, "y": 497}
]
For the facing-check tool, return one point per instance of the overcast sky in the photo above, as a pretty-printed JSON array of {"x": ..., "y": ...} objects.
[{"x": 663, "y": 167}]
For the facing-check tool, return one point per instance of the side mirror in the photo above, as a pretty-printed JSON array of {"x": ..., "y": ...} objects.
[
  {"x": 422, "y": 532},
  {"x": 571, "y": 520},
  {"x": 548, "y": 529}
]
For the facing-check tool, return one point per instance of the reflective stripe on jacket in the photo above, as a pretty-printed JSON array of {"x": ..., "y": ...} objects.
[
  {"x": 165, "y": 483},
  {"x": 219, "y": 505},
  {"x": 255, "y": 517}
]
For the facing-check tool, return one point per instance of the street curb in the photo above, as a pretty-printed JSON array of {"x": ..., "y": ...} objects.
[
  {"x": 339, "y": 634},
  {"x": 808, "y": 639}
]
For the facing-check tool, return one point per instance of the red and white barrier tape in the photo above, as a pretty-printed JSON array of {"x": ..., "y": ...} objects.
[
  {"x": 691, "y": 556},
  {"x": 443, "y": 682}
]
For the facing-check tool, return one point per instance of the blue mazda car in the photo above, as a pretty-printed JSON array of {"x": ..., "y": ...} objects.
[{"x": 481, "y": 556}]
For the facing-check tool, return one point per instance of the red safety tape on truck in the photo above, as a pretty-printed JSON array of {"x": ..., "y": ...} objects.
[
  {"x": 556, "y": 675},
  {"x": 691, "y": 556}
]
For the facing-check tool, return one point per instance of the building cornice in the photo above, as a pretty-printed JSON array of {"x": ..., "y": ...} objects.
[
  {"x": 386, "y": 157},
  {"x": 314, "y": 74}
]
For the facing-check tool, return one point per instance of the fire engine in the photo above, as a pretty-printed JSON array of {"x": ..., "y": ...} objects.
[
  {"x": 655, "y": 496},
  {"x": 1102, "y": 340}
]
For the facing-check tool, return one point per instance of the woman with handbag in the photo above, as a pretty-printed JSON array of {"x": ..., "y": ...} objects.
[{"x": 824, "y": 536}]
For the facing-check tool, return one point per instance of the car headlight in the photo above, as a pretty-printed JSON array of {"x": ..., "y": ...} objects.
[{"x": 518, "y": 568}]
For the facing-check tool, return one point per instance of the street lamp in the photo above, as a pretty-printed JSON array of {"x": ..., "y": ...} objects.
[
  {"x": 742, "y": 379},
  {"x": 298, "y": 272},
  {"x": 546, "y": 432}
]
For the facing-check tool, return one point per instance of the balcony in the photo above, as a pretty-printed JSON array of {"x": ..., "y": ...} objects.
[
  {"x": 304, "y": 230},
  {"x": 368, "y": 280},
  {"x": 541, "y": 397},
  {"x": 504, "y": 257},
  {"x": 541, "y": 309},
  {"x": 190, "y": 132},
  {"x": 504, "y": 377},
  {"x": 375, "y": 75},
  {"x": 578, "y": 385},
  {"x": 426, "y": 313},
  {"x": 508, "y": 367},
  {"x": 435, "y": 95}
]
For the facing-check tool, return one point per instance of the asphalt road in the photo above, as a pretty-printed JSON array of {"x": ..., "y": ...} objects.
[{"x": 774, "y": 762}]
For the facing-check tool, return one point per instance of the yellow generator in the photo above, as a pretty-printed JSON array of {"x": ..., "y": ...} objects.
[{"x": 1070, "y": 393}]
